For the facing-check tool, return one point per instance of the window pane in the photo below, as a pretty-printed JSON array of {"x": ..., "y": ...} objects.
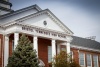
[
  {"x": 88, "y": 60},
  {"x": 49, "y": 54},
  {"x": 81, "y": 62},
  {"x": 81, "y": 58},
  {"x": 95, "y": 60}
]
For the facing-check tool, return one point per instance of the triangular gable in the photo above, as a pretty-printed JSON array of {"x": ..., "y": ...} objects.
[{"x": 52, "y": 21}]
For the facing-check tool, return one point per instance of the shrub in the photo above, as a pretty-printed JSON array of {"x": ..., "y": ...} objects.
[{"x": 23, "y": 55}]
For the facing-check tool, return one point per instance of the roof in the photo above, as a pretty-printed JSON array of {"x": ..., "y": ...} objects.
[
  {"x": 83, "y": 42},
  {"x": 39, "y": 10},
  {"x": 20, "y": 10}
]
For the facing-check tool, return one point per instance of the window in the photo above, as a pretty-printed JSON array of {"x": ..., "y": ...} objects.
[
  {"x": 82, "y": 59},
  {"x": 49, "y": 54},
  {"x": 95, "y": 60},
  {"x": 89, "y": 61},
  {"x": 0, "y": 48}
]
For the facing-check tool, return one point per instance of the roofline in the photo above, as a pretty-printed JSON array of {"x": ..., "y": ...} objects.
[
  {"x": 84, "y": 48},
  {"x": 60, "y": 21},
  {"x": 6, "y": 9},
  {"x": 85, "y": 38},
  {"x": 21, "y": 10},
  {"x": 5, "y": 2}
]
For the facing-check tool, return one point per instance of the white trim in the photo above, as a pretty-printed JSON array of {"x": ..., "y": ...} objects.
[
  {"x": 84, "y": 59},
  {"x": 48, "y": 12},
  {"x": 35, "y": 44},
  {"x": 49, "y": 54},
  {"x": 16, "y": 38},
  {"x": 53, "y": 43},
  {"x": 68, "y": 47},
  {"x": 6, "y": 51},
  {"x": 84, "y": 48},
  {"x": 90, "y": 59},
  {"x": 96, "y": 60}
]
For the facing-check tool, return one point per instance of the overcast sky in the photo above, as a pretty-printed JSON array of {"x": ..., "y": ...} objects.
[{"x": 80, "y": 16}]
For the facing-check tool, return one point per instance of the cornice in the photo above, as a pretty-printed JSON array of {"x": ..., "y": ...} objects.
[
  {"x": 62, "y": 24},
  {"x": 5, "y": 2},
  {"x": 21, "y": 10},
  {"x": 84, "y": 48},
  {"x": 40, "y": 28},
  {"x": 32, "y": 26},
  {"x": 6, "y": 9},
  {"x": 46, "y": 11}
]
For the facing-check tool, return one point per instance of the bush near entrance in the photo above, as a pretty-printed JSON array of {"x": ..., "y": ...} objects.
[
  {"x": 24, "y": 55},
  {"x": 64, "y": 60}
]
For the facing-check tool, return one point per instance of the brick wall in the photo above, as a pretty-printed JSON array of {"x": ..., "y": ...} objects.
[
  {"x": 43, "y": 50},
  {"x": 1, "y": 37},
  {"x": 76, "y": 55}
]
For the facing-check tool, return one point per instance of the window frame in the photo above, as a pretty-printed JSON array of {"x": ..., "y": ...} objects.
[
  {"x": 96, "y": 60},
  {"x": 49, "y": 54},
  {"x": 83, "y": 57},
  {"x": 90, "y": 60}
]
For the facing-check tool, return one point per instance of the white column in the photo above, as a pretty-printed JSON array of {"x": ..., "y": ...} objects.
[
  {"x": 53, "y": 48},
  {"x": 35, "y": 44},
  {"x": 6, "y": 50},
  {"x": 16, "y": 38},
  {"x": 68, "y": 47}
]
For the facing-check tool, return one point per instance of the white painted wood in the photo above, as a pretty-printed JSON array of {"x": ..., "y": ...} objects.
[
  {"x": 6, "y": 51},
  {"x": 35, "y": 44},
  {"x": 16, "y": 38},
  {"x": 68, "y": 47},
  {"x": 38, "y": 21},
  {"x": 53, "y": 48}
]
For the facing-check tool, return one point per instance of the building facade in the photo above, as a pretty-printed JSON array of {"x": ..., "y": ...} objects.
[{"x": 47, "y": 33}]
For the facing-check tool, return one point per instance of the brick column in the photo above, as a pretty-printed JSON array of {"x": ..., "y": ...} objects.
[{"x": 6, "y": 50}]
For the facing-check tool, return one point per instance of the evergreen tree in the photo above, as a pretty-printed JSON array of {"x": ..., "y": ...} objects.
[{"x": 24, "y": 55}]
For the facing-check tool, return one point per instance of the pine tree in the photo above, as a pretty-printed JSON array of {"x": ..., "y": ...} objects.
[{"x": 24, "y": 55}]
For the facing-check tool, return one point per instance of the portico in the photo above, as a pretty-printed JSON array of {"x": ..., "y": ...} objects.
[{"x": 37, "y": 36}]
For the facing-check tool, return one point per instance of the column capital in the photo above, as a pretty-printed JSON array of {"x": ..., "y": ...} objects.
[
  {"x": 53, "y": 41},
  {"x": 6, "y": 38},
  {"x": 35, "y": 37}
]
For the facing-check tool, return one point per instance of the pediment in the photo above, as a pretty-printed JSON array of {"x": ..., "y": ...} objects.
[{"x": 45, "y": 19}]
